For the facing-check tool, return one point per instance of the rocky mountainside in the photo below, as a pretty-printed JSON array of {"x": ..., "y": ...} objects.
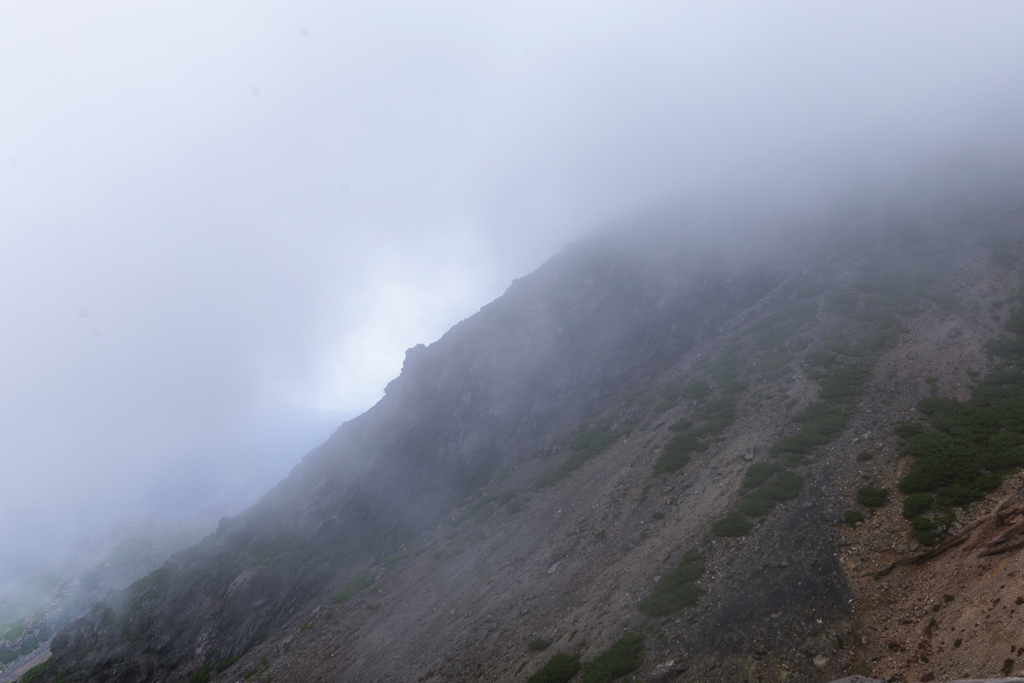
[
  {"x": 697, "y": 449},
  {"x": 38, "y": 604}
]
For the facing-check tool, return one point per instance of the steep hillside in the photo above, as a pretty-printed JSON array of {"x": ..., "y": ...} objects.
[
  {"x": 687, "y": 448},
  {"x": 35, "y": 606}
]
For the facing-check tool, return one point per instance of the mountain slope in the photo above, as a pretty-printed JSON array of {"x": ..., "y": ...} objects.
[{"x": 656, "y": 431}]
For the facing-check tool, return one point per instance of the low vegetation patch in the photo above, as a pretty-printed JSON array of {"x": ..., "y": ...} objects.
[
  {"x": 559, "y": 669},
  {"x": 717, "y": 414},
  {"x": 917, "y": 503},
  {"x": 762, "y": 500},
  {"x": 924, "y": 530},
  {"x": 821, "y": 423},
  {"x": 538, "y": 645},
  {"x": 618, "y": 660},
  {"x": 363, "y": 580},
  {"x": 851, "y": 517},
  {"x": 872, "y": 497},
  {"x": 593, "y": 437},
  {"x": 676, "y": 453},
  {"x": 733, "y": 524},
  {"x": 697, "y": 391},
  {"x": 676, "y": 589},
  {"x": 202, "y": 675},
  {"x": 959, "y": 455}
]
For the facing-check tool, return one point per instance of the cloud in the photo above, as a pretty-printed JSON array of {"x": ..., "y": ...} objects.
[{"x": 224, "y": 224}]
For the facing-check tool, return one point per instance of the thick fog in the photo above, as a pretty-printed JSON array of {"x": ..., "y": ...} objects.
[{"x": 222, "y": 224}]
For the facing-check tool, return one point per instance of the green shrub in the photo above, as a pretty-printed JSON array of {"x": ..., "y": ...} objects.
[
  {"x": 966, "y": 438},
  {"x": 361, "y": 581},
  {"x": 851, "y": 517},
  {"x": 618, "y": 660},
  {"x": 671, "y": 392},
  {"x": 726, "y": 367},
  {"x": 202, "y": 675},
  {"x": 37, "y": 671},
  {"x": 225, "y": 663},
  {"x": 676, "y": 589},
  {"x": 593, "y": 437},
  {"x": 915, "y": 504},
  {"x": 924, "y": 530},
  {"x": 1010, "y": 349},
  {"x": 732, "y": 525},
  {"x": 681, "y": 424},
  {"x": 843, "y": 385},
  {"x": 865, "y": 456},
  {"x": 664, "y": 406},
  {"x": 872, "y": 497},
  {"x": 734, "y": 386},
  {"x": 559, "y": 669},
  {"x": 658, "y": 515},
  {"x": 538, "y": 645},
  {"x": 697, "y": 391},
  {"x": 820, "y": 425},
  {"x": 759, "y": 473},
  {"x": 772, "y": 365},
  {"x": 761, "y": 501},
  {"x": 676, "y": 452}
]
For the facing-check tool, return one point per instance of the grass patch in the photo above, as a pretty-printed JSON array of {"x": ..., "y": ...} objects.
[
  {"x": 671, "y": 392},
  {"x": 37, "y": 671},
  {"x": 559, "y": 669},
  {"x": 851, "y": 517},
  {"x": 697, "y": 391},
  {"x": 843, "y": 385},
  {"x": 865, "y": 456},
  {"x": 225, "y": 663},
  {"x": 202, "y": 675},
  {"x": 361, "y": 581},
  {"x": 772, "y": 365},
  {"x": 759, "y": 473},
  {"x": 924, "y": 530},
  {"x": 821, "y": 424},
  {"x": 681, "y": 424},
  {"x": 763, "y": 499},
  {"x": 538, "y": 645},
  {"x": 872, "y": 497},
  {"x": 676, "y": 452},
  {"x": 618, "y": 660},
  {"x": 967, "y": 443},
  {"x": 676, "y": 589},
  {"x": 593, "y": 437},
  {"x": 916, "y": 504},
  {"x": 732, "y": 525}
]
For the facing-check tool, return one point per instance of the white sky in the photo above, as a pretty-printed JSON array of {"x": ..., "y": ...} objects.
[{"x": 222, "y": 223}]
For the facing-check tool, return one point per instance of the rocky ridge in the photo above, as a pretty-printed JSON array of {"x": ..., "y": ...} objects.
[{"x": 541, "y": 470}]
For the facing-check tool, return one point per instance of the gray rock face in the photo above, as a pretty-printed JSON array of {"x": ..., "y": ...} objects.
[
  {"x": 597, "y": 321},
  {"x": 596, "y": 324}
]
